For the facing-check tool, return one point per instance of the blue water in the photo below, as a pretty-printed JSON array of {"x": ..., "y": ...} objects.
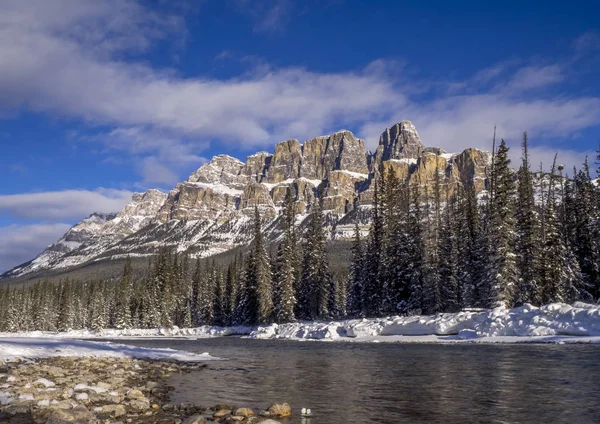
[{"x": 398, "y": 383}]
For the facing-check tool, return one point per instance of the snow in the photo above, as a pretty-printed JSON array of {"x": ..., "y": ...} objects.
[
  {"x": 12, "y": 348},
  {"x": 354, "y": 174},
  {"x": 219, "y": 188},
  {"x": 553, "y": 323},
  {"x": 449, "y": 156},
  {"x": 410, "y": 161}
]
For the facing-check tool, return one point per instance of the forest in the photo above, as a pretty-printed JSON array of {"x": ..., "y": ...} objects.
[{"x": 433, "y": 246}]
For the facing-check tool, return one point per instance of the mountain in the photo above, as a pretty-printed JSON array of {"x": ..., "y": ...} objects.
[{"x": 211, "y": 211}]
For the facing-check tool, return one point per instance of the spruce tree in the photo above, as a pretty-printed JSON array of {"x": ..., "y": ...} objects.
[
  {"x": 502, "y": 275},
  {"x": 356, "y": 282},
  {"x": 286, "y": 265},
  {"x": 528, "y": 235},
  {"x": 316, "y": 282},
  {"x": 124, "y": 289}
]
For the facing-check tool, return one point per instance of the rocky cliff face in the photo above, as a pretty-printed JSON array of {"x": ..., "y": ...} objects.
[{"x": 211, "y": 211}]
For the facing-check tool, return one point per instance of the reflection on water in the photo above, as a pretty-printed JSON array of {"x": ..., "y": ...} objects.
[{"x": 398, "y": 383}]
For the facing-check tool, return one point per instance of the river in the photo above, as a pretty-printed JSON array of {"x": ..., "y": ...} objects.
[{"x": 348, "y": 383}]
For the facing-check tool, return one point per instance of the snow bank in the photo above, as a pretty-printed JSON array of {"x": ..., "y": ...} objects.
[
  {"x": 500, "y": 324},
  {"x": 556, "y": 322},
  {"x": 28, "y": 347},
  {"x": 205, "y": 331}
]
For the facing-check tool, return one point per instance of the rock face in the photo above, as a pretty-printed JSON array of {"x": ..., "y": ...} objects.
[
  {"x": 211, "y": 211},
  {"x": 401, "y": 141}
]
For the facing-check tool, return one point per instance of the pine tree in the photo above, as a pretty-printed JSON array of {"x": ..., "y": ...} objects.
[
  {"x": 502, "y": 274},
  {"x": 356, "y": 282},
  {"x": 124, "y": 289},
  {"x": 450, "y": 290},
  {"x": 258, "y": 296},
  {"x": 415, "y": 254},
  {"x": 587, "y": 229},
  {"x": 373, "y": 286},
  {"x": 286, "y": 272},
  {"x": 316, "y": 282}
]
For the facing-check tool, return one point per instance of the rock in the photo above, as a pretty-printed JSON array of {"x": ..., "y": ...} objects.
[
  {"x": 135, "y": 394},
  {"x": 338, "y": 151},
  {"x": 114, "y": 410},
  {"x": 270, "y": 421},
  {"x": 401, "y": 141},
  {"x": 195, "y": 419},
  {"x": 280, "y": 410},
  {"x": 235, "y": 419},
  {"x": 77, "y": 415},
  {"x": 139, "y": 405},
  {"x": 167, "y": 407},
  {"x": 244, "y": 412},
  {"x": 222, "y": 413},
  {"x": 285, "y": 163},
  {"x": 169, "y": 420}
]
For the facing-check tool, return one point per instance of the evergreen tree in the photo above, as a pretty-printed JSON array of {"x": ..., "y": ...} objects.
[
  {"x": 528, "y": 235},
  {"x": 373, "y": 285},
  {"x": 124, "y": 289},
  {"x": 356, "y": 283},
  {"x": 258, "y": 284},
  {"x": 286, "y": 272},
  {"x": 502, "y": 274},
  {"x": 316, "y": 281}
]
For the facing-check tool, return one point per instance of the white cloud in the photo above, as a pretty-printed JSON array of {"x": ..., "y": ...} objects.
[
  {"x": 20, "y": 243},
  {"x": 67, "y": 59},
  {"x": 66, "y": 204}
]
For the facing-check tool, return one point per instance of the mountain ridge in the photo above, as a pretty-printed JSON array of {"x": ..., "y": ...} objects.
[{"x": 210, "y": 212}]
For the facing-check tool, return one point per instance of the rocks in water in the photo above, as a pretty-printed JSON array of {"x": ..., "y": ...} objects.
[
  {"x": 221, "y": 413},
  {"x": 110, "y": 390},
  {"x": 280, "y": 410},
  {"x": 195, "y": 419},
  {"x": 244, "y": 412}
]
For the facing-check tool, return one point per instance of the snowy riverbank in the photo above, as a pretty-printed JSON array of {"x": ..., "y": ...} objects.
[
  {"x": 554, "y": 323},
  {"x": 12, "y": 348}
]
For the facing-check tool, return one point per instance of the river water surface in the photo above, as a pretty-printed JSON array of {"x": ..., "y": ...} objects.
[{"x": 356, "y": 383}]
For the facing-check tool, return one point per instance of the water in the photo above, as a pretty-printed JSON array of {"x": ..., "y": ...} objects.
[{"x": 398, "y": 383}]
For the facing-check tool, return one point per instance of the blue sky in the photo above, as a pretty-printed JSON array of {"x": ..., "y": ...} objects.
[{"x": 99, "y": 99}]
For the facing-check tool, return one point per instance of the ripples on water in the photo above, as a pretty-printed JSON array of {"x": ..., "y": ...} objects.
[{"x": 355, "y": 383}]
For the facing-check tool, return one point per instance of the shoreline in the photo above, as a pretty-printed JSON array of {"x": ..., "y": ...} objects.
[{"x": 106, "y": 389}]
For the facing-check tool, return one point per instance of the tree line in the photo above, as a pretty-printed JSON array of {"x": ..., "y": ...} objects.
[{"x": 433, "y": 246}]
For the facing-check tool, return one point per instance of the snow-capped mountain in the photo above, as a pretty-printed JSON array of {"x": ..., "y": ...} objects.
[{"x": 211, "y": 211}]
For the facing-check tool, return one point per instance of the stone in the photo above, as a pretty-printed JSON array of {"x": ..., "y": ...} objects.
[
  {"x": 195, "y": 419},
  {"x": 114, "y": 410},
  {"x": 78, "y": 415},
  {"x": 222, "y": 413},
  {"x": 244, "y": 412},
  {"x": 280, "y": 410},
  {"x": 139, "y": 405},
  {"x": 270, "y": 421},
  {"x": 135, "y": 394}
]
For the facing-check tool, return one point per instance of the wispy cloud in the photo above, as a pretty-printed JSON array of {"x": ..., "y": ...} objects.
[
  {"x": 63, "y": 205},
  {"x": 268, "y": 15}
]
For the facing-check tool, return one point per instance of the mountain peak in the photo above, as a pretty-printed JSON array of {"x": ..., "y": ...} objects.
[{"x": 400, "y": 141}]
